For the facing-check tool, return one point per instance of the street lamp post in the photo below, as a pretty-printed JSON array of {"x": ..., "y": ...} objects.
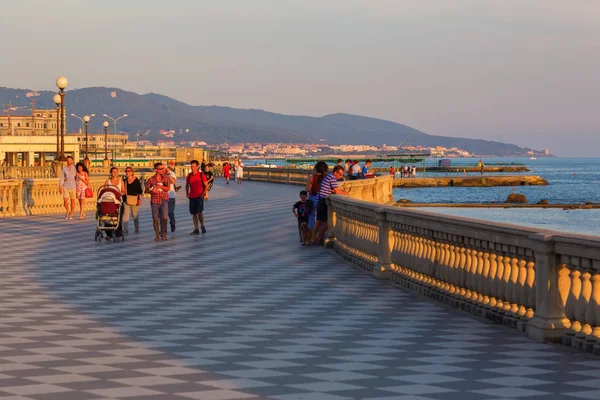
[
  {"x": 86, "y": 160},
  {"x": 115, "y": 122},
  {"x": 105, "y": 163},
  {"x": 61, "y": 83},
  {"x": 84, "y": 124},
  {"x": 56, "y": 100}
]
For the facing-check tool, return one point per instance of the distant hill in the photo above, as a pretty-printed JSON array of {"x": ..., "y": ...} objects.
[{"x": 215, "y": 124}]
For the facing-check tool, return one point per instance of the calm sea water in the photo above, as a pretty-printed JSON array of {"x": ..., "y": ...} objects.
[{"x": 571, "y": 180}]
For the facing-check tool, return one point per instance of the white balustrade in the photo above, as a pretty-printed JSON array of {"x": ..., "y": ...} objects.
[{"x": 490, "y": 269}]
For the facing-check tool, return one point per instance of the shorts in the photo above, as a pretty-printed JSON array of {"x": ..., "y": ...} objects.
[
  {"x": 197, "y": 205},
  {"x": 160, "y": 210},
  {"x": 69, "y": 194},
  {"x": 322, "y": 211}
]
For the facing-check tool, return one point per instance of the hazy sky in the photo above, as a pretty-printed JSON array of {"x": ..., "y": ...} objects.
[{"x": 521, "y": 71}]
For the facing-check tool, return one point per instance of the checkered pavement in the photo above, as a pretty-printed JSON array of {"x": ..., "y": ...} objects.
[{"x": 242, "y": 312}]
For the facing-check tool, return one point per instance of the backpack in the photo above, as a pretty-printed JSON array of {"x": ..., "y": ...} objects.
[{"x": 203, "y": 183}]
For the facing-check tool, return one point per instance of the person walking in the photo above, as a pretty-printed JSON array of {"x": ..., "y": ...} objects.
[
  {"x": 133, "y": 200},
  {"x": 172, "y": 195},
  {"x": 157, "y": 187},
  {"x": 239, "y": 171},
  {"x": 67, "y": 187},
  {"x": 82, "y": 179},
  {"x": 210, "y": 178},
  {"x": 117, "y": 183},
  {"x": 196, "y": 191},
  {"x": 226, "y": 172}
]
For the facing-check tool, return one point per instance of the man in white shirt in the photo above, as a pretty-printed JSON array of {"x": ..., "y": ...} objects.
[
  {"x": 355, "y": 171},
  {"x": 172, "y": 195}
]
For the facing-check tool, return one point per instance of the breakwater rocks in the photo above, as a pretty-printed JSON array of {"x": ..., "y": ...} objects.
[{"x": 471, "y": 181}]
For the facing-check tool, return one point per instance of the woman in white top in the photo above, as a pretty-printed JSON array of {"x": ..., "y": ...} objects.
[
  {"x": 239, "y": 171},
  {"x": 114, "y": 180}
]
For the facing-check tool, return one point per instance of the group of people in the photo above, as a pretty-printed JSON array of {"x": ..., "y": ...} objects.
[
  {"x": 404, "y": 171},
  {"x": 353, "y": 170},
  {"x": 238, "y": 167},
  {"x": 312, "y": 207},
  {"x": 161, "y": 187},
  {"x": 73, "y": 185}
]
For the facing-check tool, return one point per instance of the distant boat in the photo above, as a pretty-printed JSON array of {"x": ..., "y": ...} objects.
[
  {"x": 532, "y": 155},
  {"x": 532, "y": 158}
]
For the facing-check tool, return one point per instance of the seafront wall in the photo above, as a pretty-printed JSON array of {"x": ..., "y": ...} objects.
[
  {"x": 377, "y": 189},
  {"x": 543, "y": 282}
]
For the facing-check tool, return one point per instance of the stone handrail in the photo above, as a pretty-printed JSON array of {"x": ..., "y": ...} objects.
[
  {"x": 26, "y": 172},
  {"x": 490, "y": 269},
  {"x": 277, "y": 175},
  {"x": 378, "y": 189},
  {"x": 41, "y": 196}
]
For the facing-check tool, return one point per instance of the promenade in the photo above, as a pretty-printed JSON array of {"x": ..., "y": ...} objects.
[{"x": 242, "y": 312}]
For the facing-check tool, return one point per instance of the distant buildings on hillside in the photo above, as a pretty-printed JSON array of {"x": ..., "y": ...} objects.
[{"x": 318, "y": 149}]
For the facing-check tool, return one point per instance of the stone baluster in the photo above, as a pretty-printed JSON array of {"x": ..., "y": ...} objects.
[
  {"x": 3, "y": 201},
  {"x": 592, "y": 312},
  {"x": 521, "y": 289},
  {"x": 462, "y": 273},
  {"x": 484, "y": 278},
  {"x": 531, "y": 284},
  {"x": 471, "y": 269},
  {"x": 514, "y": 287},
  {"x": 19, "y": 210},
  {"x": 10, "y": 201},
  {"x": 573, "y": 299},
  {"x": 584, "y": 301},
  {"x": 491, "y": 281}
]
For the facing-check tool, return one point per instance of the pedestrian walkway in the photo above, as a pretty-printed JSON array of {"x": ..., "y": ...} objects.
[{"x": 243, "y": 311}]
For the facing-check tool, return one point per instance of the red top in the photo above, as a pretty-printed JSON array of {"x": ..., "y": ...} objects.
[
  {"x": 196, "y": 182},
  {"x": 157, "y": 195},
  {"x": 226, "y": 170}
]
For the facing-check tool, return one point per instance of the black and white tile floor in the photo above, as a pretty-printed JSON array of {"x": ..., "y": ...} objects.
[{"x": 243, "y": 312}]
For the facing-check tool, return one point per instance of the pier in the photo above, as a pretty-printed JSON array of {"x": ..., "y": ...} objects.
[{"x": 472, "y": 181}]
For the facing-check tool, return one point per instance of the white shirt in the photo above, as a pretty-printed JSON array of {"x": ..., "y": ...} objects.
[{"x": 171, "y": 192}]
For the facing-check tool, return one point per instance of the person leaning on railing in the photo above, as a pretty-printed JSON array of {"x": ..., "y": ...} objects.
[{"x": 329, "y": 185}]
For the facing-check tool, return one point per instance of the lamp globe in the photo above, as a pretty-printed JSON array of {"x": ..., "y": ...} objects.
[
  {"x": 56, "y": 99},
  {"x": 86, "y": 118},
  {"x": 62, "y": 82}
]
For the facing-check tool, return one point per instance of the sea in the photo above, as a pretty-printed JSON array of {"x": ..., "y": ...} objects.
[{"x": 570, "y": 181}]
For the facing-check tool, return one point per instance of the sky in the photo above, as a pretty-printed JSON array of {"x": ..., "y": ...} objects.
[{"x": 520, "y": 71}]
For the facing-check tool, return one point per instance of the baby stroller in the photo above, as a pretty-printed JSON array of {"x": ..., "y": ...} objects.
[{"x": 108, "y": 214}]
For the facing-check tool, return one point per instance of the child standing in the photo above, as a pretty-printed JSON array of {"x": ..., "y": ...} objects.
[{"x": 302, "y": 209}]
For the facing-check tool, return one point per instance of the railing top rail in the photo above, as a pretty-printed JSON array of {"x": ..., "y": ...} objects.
[{"x": 497, "y": 232}]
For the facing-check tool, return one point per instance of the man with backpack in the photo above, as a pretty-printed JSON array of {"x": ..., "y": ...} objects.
[{"x": 196, "y": 191}]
